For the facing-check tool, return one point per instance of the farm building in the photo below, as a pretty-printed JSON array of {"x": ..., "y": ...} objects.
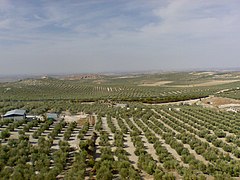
[
  {"x": 16, "y": 114},
  {"x": 52, "y": 116}
]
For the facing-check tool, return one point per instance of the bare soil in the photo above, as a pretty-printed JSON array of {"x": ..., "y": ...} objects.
[
  {"x": 159, "y": 83},
  {"x": 209, "y": 83},
  {"x": 220, "y": 101}
]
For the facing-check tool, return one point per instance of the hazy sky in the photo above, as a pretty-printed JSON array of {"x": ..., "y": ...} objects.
[{"x": 78, "y": 36}]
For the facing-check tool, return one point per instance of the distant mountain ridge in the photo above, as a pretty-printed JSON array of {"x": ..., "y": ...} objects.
[{"x": 79, "y": 76}]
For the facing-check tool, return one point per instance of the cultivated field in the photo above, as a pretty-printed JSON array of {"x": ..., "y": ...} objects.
[{"x": 138, "y": 132}]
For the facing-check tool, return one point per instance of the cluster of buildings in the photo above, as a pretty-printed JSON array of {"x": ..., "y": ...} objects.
[{"x": 19, "y": 114}]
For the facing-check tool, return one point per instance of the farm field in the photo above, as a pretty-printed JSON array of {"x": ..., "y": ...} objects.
[
  {"x": 152, "y": 88},
  {"x": 138, "y": 132}
]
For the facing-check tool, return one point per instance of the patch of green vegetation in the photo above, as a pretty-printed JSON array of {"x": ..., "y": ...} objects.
[{"x": 116, "y": 88}]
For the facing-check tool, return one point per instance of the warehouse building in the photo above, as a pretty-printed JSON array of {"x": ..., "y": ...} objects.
[{"x": 16, "y": 114}]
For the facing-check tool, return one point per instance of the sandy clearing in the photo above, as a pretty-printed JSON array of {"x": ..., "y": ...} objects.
[
  {"x": 229, "y": 105},
  {"x": 159, "y": 83},
  {"x": 106, "y": 128},
  {"x": 73, "y": 118},
  {"x": 150, "y": 149},
  {"x": 129, "y": 147},
  {"x": 221, "y": 102},
  {"x": 209, "y": 83}
]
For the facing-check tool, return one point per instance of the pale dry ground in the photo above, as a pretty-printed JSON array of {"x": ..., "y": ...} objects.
[
  {"x": 190, "y": 102},
  {"x": 128, "y": 145},
  {"x": 89, "y": 133},
  {"x": 58, "y": 138},
  {"x": 133, "y": 158},
  {"x": 220, "y": 102},
  {"x": 203, "y": 73},
  {"x": 15, "y": 135},
  {"x": 159, "y": 83},
  {"x": 30, "y": 133},
  {"x": 74, "y": 140},
  {"x": 110, "y": 134},
  {"x": 74, "y": 118},
  {"x": 97, "y": 146},
  {"x": 209, "y": 83},
  {"x": 107, "y": 129},
  {"x": 33, "y": 82},
  {"x": 150, "y": 149},
  {"x": 98, "y": 152},
  {"x": 74, "y": 144},
  {"x": 126, "y": 77},
  {"x": 115, "y": 123},
  {"x": 100, "y": 81},
  {"x": 229, "y": 105}
]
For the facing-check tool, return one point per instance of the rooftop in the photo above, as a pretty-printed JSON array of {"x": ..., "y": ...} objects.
[
  {"x": 15, "y": 112},
  {"x": 52, "y": 115}
]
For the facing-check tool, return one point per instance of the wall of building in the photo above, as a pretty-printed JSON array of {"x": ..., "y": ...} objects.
[{"x": 15, "y": 118}]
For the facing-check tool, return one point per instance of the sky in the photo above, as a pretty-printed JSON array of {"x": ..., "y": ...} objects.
[{"x": 91, "y": 36}]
